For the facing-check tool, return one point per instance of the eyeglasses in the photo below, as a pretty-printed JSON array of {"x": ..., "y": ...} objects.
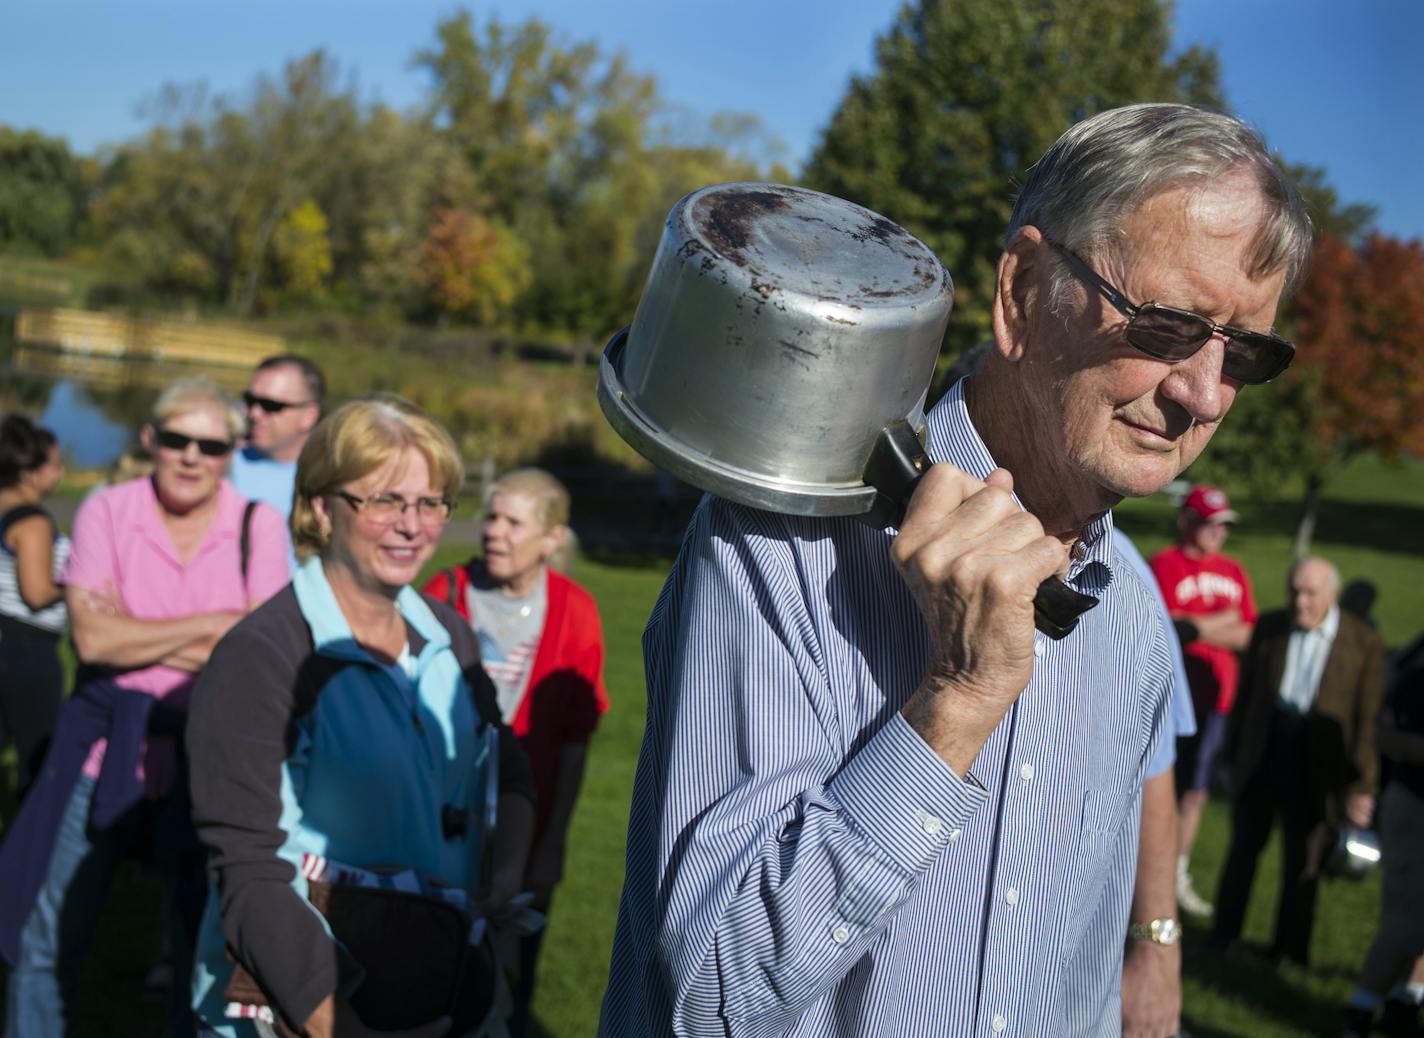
[
  {"x": 386, "y": 509},
  {"x": 176, "y": 441},
  {"x": 1166, "y": 333},
  {"x": 272, "y": 406}
]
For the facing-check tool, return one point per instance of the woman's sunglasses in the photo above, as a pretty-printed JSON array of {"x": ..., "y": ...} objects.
[
  {"x": 1166, "y": 333},
  {"x": 176, "y": 441}
]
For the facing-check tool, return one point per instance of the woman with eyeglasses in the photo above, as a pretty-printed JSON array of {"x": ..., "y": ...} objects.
[
  {"x": 344, "y": 743},
  {"x": 32, "y": 616},
  {"x": 161, "y": 568}
]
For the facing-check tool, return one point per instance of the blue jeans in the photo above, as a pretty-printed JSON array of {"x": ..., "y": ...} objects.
[{"x": 43, "y": 986}]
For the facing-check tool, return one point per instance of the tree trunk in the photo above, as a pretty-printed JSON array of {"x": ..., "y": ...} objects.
[
  {"x": 259, "y": 255},
  {"x": 1309, "y": 509}
]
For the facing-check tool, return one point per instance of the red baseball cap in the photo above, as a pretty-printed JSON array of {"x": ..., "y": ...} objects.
[{"x": 1210, "y": 505}]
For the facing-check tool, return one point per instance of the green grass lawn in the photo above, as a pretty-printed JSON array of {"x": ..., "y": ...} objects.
[{"x": 1371, "y": 525}]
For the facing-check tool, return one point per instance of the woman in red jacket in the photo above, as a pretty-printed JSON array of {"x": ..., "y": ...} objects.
[{"x": 542, "y": 644}]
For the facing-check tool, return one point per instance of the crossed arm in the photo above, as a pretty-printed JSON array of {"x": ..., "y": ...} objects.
[{"x": 106, "y": 635}]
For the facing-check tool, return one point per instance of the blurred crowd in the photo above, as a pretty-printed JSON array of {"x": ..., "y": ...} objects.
[
  {"x": 1292, "y": 718},
  {"x": 357, "y": 796}
]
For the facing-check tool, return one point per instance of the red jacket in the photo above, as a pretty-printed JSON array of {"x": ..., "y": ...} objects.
[{"x": 565, "y": 697}]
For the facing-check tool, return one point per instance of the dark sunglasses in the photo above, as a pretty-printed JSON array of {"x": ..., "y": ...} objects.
[
  {"x": 269, "y": 405},
  {"x": 1166, "y": 333},
  {"x": 176, "y": 441}
]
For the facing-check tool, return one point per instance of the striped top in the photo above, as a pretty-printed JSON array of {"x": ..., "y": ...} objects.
[
  {"x": 52, "y": 617},
  {"x": 801, "y": 863}
]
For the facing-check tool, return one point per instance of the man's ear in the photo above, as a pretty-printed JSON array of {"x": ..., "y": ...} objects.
[
  {"x": 310, "y": 419},
  {"x": 1016, "y": 290}
]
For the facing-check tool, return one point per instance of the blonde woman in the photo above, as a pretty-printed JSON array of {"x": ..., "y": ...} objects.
[{"x": 338, "y": 731}]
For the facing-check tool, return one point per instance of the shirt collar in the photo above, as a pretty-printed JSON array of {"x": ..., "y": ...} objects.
[
  {"x": 226, "y": 525},
  {"x": 953, "y": 438},
  {"x": 1327, "y": 628},
  {"x": 331, "y": 633}
]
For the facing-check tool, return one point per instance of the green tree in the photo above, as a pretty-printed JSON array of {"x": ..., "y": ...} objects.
[
  {"x": 193, "y": 205},
  {"x": 302, "y": 251},
  {"x": 966, "y": 96},
  {"x": 41, "y": 193},
  {"x": 568, "y": 149},
  {"x": 1351, "y": 222}
]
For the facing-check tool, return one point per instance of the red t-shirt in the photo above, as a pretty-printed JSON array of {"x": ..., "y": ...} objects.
[{"x": 1200, "y": 587}]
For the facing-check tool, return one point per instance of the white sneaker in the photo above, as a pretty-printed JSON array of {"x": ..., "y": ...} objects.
[{"x": 1188, "y": 899}]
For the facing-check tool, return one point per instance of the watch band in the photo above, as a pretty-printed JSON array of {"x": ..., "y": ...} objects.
[{"x": 1158, "y": 931}]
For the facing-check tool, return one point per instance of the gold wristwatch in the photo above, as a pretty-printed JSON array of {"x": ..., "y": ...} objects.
[{"x": 1158, "y": 931}]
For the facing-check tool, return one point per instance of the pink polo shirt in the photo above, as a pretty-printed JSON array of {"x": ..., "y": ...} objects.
[{"x": 120, "y": 542}]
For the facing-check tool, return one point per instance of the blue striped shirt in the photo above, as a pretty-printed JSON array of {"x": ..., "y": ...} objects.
[{"x": 800, "y": 862}]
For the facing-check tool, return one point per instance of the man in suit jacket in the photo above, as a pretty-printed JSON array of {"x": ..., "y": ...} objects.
[{"x": 1301, "y": 746}]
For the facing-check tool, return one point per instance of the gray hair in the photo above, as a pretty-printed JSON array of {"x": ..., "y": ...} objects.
[
  {"x": 1314, "y": 560},
  {"x": 199, "y": 391},
  {"x": 1105, "y": 168}
]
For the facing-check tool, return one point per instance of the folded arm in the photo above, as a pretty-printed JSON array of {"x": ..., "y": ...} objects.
[
  {"x": 106, "y": 636},
  {"x": 1225, "y": 629}
]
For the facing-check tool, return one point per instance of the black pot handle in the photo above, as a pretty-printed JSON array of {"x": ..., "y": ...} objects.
[{"x": 896, "y": 465}]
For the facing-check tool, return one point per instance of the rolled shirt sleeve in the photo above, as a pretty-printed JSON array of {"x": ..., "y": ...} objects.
[{"x": 784, "y": 847}]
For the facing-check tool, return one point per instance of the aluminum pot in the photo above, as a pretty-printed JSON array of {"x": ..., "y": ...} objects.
[
  {"x": 780, "y": 331},
  {"x": 1354, "y": 854},
  {"x": 781, "y": 355}
]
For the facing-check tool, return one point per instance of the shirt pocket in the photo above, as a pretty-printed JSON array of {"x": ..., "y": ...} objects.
[{"x": 1102, "y": 817}]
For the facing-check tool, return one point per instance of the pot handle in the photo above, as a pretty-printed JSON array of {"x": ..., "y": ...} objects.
[{"x": 897, "y": 463}]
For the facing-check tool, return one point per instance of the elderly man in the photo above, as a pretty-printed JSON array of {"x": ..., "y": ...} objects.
[
  {"x": 283, "y": 404},
  {"x": 872, "y": 800},
  {"x": 1208, "y": 592},
  {"x": 1301, "y": 746}
]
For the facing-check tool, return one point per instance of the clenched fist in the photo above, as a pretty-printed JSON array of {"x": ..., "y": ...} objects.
[{"x": 973, "y": 560}]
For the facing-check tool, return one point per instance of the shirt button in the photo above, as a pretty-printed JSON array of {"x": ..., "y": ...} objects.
[
  {"x": 1038, "y": 647},
  {"x": 1026, "y": 772},
  {"x": 840, "y": 935},
  {"x": 931, "y": 825},
  {"x": 998, "y": 1023},
  {"x": 955, "y": 834},
  {"x": 1012, "y": 895}
]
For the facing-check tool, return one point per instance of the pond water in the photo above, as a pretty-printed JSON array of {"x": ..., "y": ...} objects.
[{"x": 95, "y": 405}]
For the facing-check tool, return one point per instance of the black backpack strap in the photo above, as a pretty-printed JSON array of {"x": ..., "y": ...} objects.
[
  {"x": 452, "y": 594},
  {"x": 244, "y": 540}
]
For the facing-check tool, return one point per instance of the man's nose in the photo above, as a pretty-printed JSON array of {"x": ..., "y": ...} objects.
[{"x": 1195, "y": 383}]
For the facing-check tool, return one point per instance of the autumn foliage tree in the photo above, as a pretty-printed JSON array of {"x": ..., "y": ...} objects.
[
  {"x": 473, "y": 268},
  {"x": 1359, "y": 326}
]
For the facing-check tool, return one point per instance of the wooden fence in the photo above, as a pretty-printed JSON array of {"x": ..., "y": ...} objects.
[{"x": 111, "y": 335}]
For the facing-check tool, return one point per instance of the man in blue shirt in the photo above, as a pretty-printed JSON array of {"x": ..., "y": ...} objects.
[
  {"x": 283, "y": 404},
  {"x": 872, "y": 799},
  {"x": 1152, "y": 969}
]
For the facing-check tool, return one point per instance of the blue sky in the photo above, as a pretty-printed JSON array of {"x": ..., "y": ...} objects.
[{"x": 1340, "y": 85}]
